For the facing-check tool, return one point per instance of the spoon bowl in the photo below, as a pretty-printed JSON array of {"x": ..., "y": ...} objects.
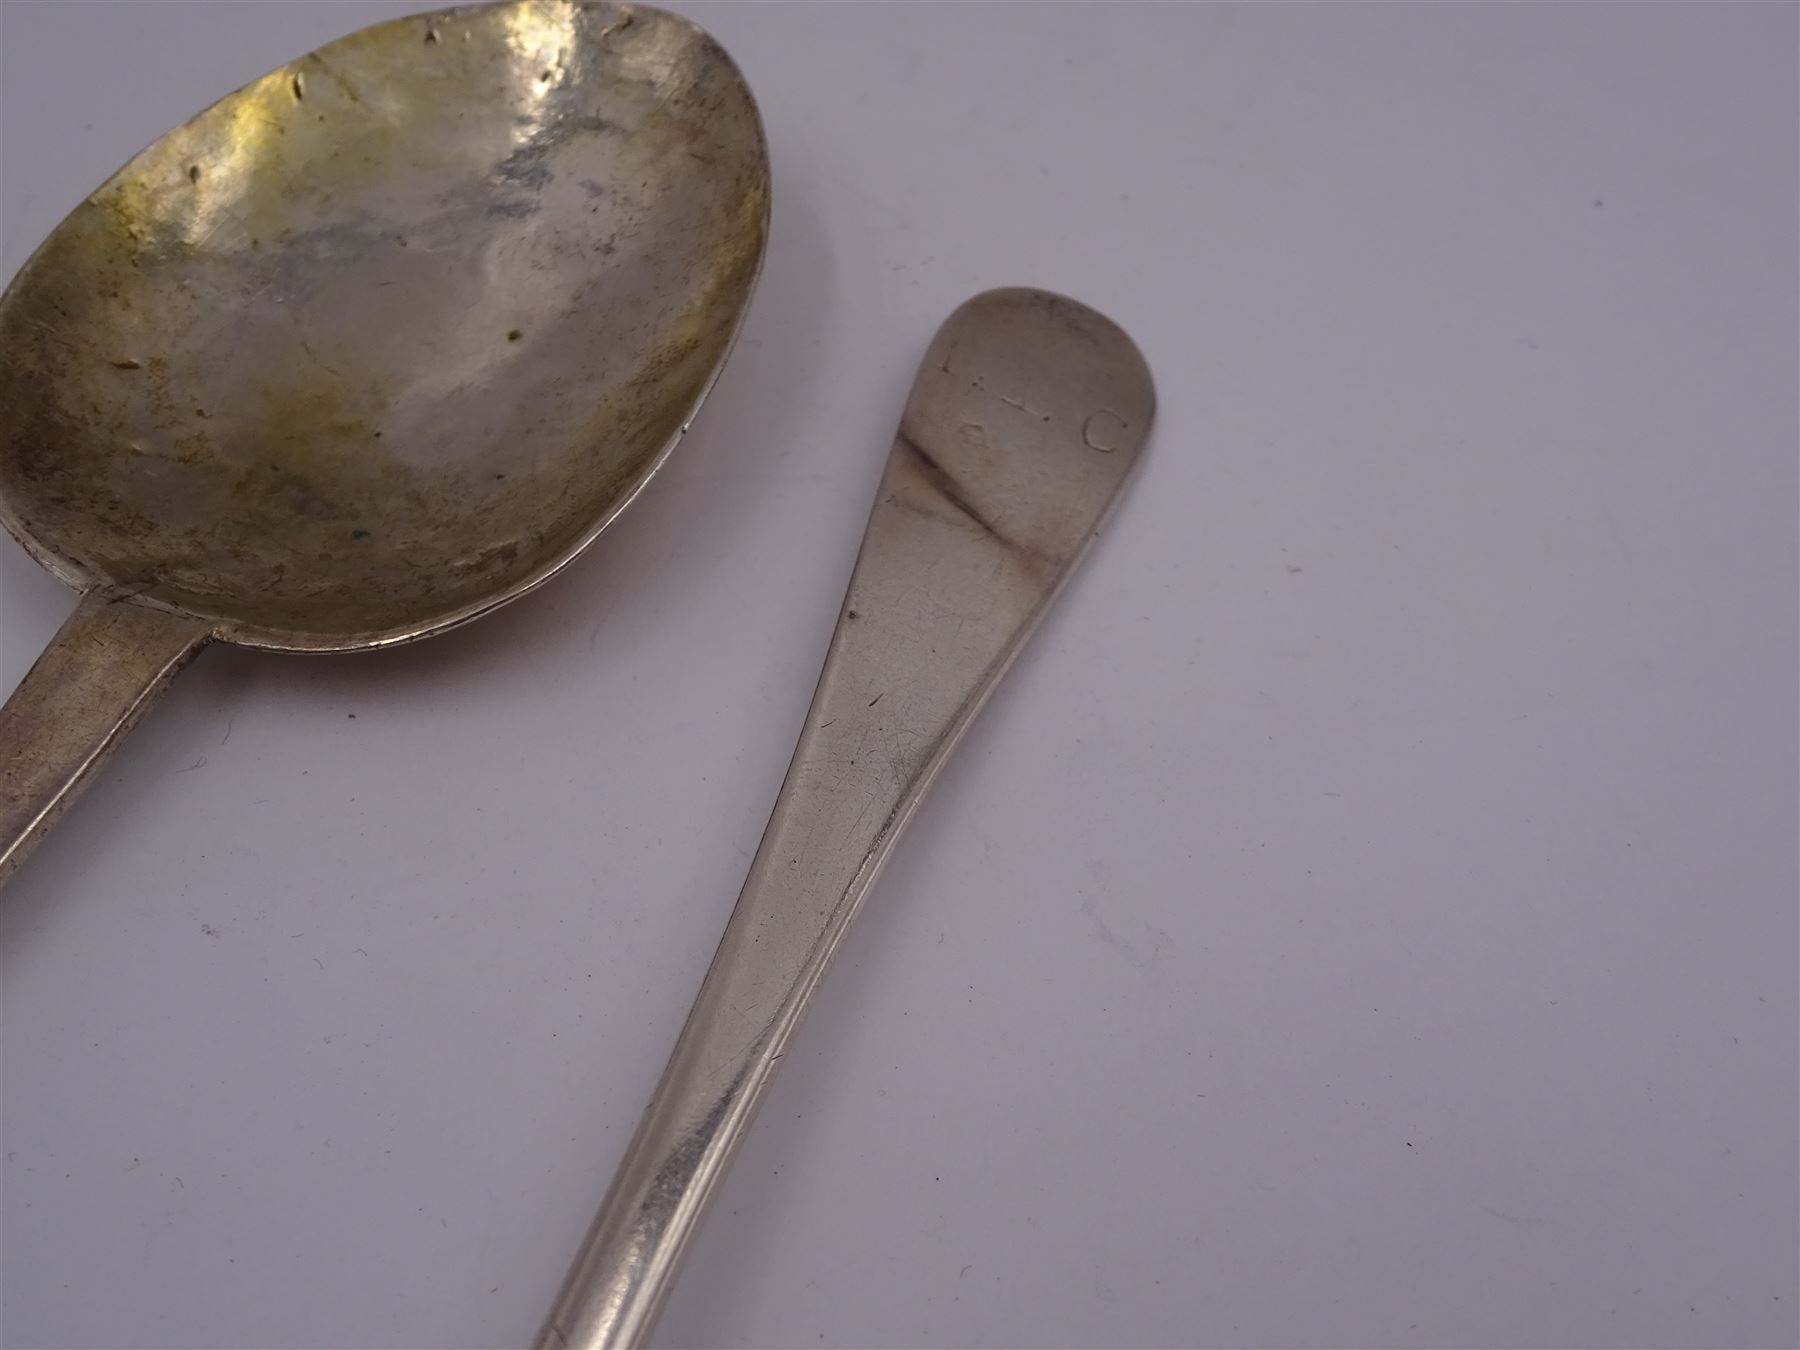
[
  {"x": 368, "y": 347},
  {"x": 386, "y": 336}
]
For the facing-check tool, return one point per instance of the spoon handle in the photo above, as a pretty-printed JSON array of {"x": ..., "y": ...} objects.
[
  {"x": 1027, "y": 416},
  {"x": 100, "y": 673}
]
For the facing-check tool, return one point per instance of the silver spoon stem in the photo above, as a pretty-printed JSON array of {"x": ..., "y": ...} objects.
[
  {"x": 1026, "y": 418},
  {"x": 106, "y": 665}
]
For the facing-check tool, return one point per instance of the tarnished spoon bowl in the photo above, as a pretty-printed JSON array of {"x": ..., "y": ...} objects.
[{"x": 374, "y": 344}]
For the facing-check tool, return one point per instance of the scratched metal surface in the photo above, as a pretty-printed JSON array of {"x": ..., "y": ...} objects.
[{"x": 390, "y": 332}]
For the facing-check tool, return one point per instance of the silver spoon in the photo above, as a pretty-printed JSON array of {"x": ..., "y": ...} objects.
[
  {"x": 1027, "y": 416},
  {"x": 374, "y": 344}
]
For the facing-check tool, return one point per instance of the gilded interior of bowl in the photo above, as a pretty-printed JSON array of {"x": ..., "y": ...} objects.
[{"x": 389, "y": 334}]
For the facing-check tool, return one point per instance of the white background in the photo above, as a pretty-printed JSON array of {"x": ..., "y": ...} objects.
[{"x": 1366, "y": 916}]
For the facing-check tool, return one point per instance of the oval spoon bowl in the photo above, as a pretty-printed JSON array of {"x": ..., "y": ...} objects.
[{"x": 388, "y": 335}]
